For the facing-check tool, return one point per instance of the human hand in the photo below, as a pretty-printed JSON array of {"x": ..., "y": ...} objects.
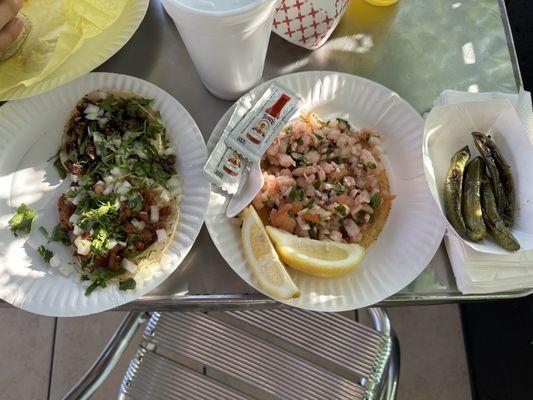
[{"x": 10, "y": 27}]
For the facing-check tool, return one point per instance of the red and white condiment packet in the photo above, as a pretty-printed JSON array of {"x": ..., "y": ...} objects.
[
  {"x": 244, "y": 142},
  {"x": 225, "y": 167},
  {"x": 258, "y": 128},
  {"x": 308, "y": 23}
]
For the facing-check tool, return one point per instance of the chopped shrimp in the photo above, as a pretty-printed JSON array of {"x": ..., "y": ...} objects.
[
  {"x": 336, "y": 236},
  {"x": 310, "y": 179},
  {"x": 285, "y": 172},
  {"x": 326, "y": 181},
  {"x": 301, "y": 171},
  {"x": 286, "y": 160},
  {"x": 273, "y": 149},
  {"x": 281, "y": 219},
  {"x": 321, "y": 173},
  {"x": 351, "y": 227}
]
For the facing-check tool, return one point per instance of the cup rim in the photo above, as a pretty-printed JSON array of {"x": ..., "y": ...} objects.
[{"x": 226, "y": 13}]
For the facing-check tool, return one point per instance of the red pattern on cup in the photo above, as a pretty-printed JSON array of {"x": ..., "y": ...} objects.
[{"x": 308, "y": 23}]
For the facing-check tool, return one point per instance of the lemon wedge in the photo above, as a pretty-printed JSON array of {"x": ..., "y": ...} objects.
[
  {"x": 268, "y": 270},
  {"x": 326, "y": 259}
]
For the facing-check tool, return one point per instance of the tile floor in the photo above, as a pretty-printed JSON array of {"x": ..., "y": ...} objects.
[{"x": 433, "y": 364}]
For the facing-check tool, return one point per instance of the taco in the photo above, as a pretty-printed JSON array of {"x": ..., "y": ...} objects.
[{"x": 121, "y": 210}]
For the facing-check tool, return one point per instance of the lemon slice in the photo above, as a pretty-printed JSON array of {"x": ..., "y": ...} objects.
[
  {"x": 268, "y": 270},
  {"x": 326, "y": 259}
]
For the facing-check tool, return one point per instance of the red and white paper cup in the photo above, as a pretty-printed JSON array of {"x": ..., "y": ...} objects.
[{"x": 308, "y": 23}]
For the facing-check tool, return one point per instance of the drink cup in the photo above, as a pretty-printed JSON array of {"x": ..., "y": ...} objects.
[{"x": 227, "y": 40}]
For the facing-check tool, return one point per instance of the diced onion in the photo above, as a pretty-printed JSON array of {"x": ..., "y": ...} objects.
[
  {"x": 74, "y": 178},
  {"x": 169, "y": 151},
  {"x": 161, "y": 234},
  {"x": 77, "y": 230},
  {"x": 83, "y": 246},
  {"x": 74, "y": 218},
  {"x": 154, "y": 213},
  {"x": 108, "y": 189},
  {"x": 112, "y": 243},
  {"x": 123, "y": 244},
  {"x": 109, "y": 179},
  {"x": 165, "y": 195},
  {"x": 128, "y": 265},
  {"x": 66, "y": 270},
  {"x": 116, "y": 171},
  {"x": 55, "y": 261},
  {"x": 139, "y": 225},
  {"x": 123, "y": 187},
  {"x": 174, "y": 182},
  {"x": 98, "y": 138}
]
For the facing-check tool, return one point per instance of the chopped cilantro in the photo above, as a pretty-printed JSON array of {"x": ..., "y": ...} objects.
[
  {"x": 312, "y": 232},
  {"x": 83, "y": 147},
  {"x": 300, "y": 141},
  {"x": 136, "y": 203},
  {"x": 370, "y": 165},
  {"x": 375, "y": 200},
  {"x": 61, "y": 171},
  {"x": 316, "y": 185},
  {"x": 319, "y": 137},
  {"x": 135, "y": 104},
  {"x": 296, "y": 193},
  {"x": 60, "y": 235},
  {"x": 341, "y": 210},
  {"x": 128, "y": 284},
  {"x": 98, "y": 215},
  {"x": 344, "y": 122},
  {"x": 43, "y": 230},
  {"x": 107, "y": 103},
  {"x": 309, "y": 204},
  {"x": 101, "y": 277},
  {"x": 20, "y": 223},
  {"x": 45, "y": 253},
  {"x": 91, "y": 288},
  {"x": 337, "y": 186},
  {"x": 100, "y": 242},
  {"x": 84, "y": 278}
]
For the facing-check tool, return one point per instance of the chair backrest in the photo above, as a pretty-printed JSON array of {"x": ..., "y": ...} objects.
[{"x": 263, "y": 354}]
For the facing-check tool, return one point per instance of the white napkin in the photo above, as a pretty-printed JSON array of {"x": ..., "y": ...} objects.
[{"x": 477, "y": 272}]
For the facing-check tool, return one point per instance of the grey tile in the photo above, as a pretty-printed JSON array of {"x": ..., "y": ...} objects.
[
  {"x": 79, "y": 341},
  {"x": 26, "y": 350},
  {"x": 433, "y": 360}
]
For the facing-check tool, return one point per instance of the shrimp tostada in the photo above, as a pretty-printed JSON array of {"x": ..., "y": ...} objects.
[
  {"x": 325, "y": 180},
  {"x": 121, "y": 210}
]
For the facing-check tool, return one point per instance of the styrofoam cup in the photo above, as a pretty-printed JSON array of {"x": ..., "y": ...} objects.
[{"x": 228, "y": 46}]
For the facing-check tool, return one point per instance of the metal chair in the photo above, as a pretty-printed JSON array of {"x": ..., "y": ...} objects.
[{"x": 255, "y": 354}]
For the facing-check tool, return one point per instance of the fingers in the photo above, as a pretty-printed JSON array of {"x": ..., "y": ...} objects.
[
  {"x": 10, "y": 33},
  {"x": 8, "y": 11}
]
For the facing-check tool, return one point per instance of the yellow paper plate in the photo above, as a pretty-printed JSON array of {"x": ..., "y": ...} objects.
[{"x": 90, "y": 55}]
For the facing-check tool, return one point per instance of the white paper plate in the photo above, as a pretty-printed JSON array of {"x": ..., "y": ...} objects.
[
  {"x": 415, "y": 226},
  {"x": 29, "y": 132},
  {"x": 448, "y": 129}
]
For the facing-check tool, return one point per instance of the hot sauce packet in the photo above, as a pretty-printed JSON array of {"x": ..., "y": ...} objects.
[
  {"x": 245, "y": 140},
  {"x": 226, "y": 167},
  {"x": 256, "y": 131}
]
